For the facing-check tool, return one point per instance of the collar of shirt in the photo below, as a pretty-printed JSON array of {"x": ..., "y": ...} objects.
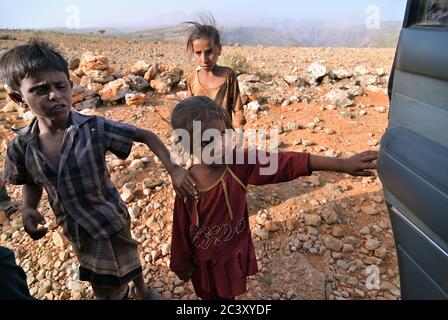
[{"x": 30, "y": 132}]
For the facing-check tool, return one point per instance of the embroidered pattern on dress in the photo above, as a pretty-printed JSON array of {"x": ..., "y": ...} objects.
[{"x": 204, "y": 237}]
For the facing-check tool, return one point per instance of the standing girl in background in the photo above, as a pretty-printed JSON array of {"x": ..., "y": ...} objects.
[{"x": 218, "y": 83}]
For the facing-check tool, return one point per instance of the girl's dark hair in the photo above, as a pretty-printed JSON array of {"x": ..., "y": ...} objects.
[
  {"x": 197, "y": 108},
  {"x": 204, "y": 29},
  {"x": 36, "y": 55}
]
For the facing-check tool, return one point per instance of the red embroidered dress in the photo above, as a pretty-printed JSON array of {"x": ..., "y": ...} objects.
[{"x": 212, "y": 235}]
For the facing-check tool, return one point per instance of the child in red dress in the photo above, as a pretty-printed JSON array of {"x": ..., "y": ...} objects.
[{"x": 211, "y": 239}]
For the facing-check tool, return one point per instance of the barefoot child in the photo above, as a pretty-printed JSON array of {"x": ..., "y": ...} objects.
[
  {"x": 211, "y": 239},
  {"x": 211, "y": 80},
  {"x": 64, "y": 152}
]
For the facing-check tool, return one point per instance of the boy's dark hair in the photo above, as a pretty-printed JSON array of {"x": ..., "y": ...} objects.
[
  {"x": 197, "y": 108},
  {"x": 36, "y": 55},
  {"x": 204, "y": 29}
]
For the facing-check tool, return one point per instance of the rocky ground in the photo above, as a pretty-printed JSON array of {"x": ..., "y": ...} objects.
[{"x": 320, "y": 237}]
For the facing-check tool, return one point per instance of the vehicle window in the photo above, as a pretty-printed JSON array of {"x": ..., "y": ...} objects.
[{"x": 433, "y": 13}]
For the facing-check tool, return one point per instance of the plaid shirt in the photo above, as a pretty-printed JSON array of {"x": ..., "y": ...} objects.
[{"x": 80, "y": 188}]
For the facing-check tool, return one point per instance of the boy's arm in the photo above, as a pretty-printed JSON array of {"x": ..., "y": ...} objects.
[
  {"x": 358, "y": 165},
  {"x": 32, "y": 194},
  {"x": 17, "y": 173},
  {"x": 183, "y": 183}
]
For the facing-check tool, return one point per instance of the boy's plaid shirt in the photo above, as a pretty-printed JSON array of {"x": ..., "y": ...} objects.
[{"x": 80, "y": 188}]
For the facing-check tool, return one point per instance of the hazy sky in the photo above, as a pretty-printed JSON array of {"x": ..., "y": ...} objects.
[{"x": 134, "y": 13}]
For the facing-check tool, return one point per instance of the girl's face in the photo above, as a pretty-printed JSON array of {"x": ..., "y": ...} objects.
[
  {"x": 205, "y": 54},
  {"x": 214, "y": 141}
]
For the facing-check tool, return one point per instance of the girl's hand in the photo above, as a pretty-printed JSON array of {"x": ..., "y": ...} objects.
[
  {"x": 360, "y": 164},
  {"x": 183, "y": 183}
]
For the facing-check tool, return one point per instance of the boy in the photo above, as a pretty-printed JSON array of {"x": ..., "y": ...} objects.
[{"x": 64, "y": 152}]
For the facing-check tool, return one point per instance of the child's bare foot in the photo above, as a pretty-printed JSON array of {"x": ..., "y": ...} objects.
[
  {"x": 147, "y": 294},
  {"x": 5, "y": 202},
  {"x": 143, "y": 292},
  {"x": 8, "y": 207}
]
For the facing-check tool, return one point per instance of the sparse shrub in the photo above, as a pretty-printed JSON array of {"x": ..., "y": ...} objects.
[
  {"x": 7, "y": 37},
  {"x": 237, "y": 62}
]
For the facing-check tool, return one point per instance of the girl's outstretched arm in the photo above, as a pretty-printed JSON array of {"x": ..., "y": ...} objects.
[
  {"x": 288, "y": 166},
  {"x": 358, "y": 165}
]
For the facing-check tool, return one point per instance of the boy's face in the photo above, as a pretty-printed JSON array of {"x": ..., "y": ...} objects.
[
  {"x": 205, "y": 54},
  {"x": 47, "y": 93}
]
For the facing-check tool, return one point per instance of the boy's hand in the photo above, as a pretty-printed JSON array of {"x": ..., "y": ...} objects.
[
  {"x": 183, "y": 183},
  {"x": 31, "y": 219},
  {"x": 360, "y": 164},
  {"x": 2, "y": 184}
]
